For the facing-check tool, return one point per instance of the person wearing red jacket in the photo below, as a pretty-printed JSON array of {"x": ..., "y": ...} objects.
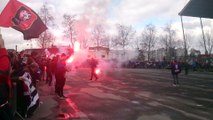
[{"x": 5, "y": 83}]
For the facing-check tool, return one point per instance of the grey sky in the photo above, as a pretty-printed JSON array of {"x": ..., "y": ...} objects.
[{"x": 137, "y": 13}]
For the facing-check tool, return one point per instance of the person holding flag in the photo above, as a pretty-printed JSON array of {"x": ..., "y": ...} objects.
[{"x": 22, "y": 18}]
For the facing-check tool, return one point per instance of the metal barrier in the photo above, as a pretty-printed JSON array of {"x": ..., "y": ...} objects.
[{"x": 14, "y": 101}]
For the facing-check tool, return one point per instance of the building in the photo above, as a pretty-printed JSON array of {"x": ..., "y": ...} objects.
[
  {"x": 194, "y": 52},
  {"x": 107, "y": 54},
  {"x": 98, "y": 52},
  {"x": 50, "y": 51},
  {"x": 179, "y": 53}
]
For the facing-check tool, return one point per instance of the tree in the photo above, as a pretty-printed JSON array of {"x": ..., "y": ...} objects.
[
  {"x": 148, "y": 39},
  {"x": 46, "y": 39},
  {"x": 99, "y": 36},
  {"x": 186, "y": 44},
  {"x": 137, "y": 43},
  {"x": 168, "y": 40},
  {"x": 84, "y": 43},
  {"x": 207, "y": 43},
  {"x": 141, "y": 56},
  {"x": 68, "y": 24},
  {"x": 124, "y": 37},
  {"x": 106, "y": 41}
]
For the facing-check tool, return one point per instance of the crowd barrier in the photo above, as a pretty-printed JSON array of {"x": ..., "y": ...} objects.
[{"x": 14, "y": 102}]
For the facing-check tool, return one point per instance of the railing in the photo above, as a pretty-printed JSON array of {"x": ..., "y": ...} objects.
[{"x": 14, "y": 101}]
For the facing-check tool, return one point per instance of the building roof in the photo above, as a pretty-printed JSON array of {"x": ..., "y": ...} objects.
[
  {"x": 198, "y": 8},
  {"x": 41, "y": 50},
  {"x": 99, "y": 48}
]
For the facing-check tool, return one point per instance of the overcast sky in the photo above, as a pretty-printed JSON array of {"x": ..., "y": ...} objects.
[{"x": 137, "y": 13}]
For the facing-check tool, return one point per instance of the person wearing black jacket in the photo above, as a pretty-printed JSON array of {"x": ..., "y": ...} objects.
[
  {"x": 93, "y": 65},
  {"x": 175, "y": 70},
  {"x": 60, "y": 76}
]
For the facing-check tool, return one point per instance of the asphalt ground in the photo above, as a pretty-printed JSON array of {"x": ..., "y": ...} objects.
[{"x": 129, "y": 94}]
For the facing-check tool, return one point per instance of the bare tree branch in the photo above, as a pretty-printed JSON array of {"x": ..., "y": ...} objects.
[
  {"x": 68, "y": 24},
  {"x": 46, "y": 39},
  {"x": 148, "y": 39}
]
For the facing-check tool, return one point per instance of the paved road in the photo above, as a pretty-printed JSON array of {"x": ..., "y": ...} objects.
[{"x": 129, "y": 94}]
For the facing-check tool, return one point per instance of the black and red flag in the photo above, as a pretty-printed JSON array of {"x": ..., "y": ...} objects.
[{"x": 22, "y": 18}]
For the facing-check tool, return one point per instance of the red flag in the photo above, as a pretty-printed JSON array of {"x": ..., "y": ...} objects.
[{"x": 22, "y": 18}]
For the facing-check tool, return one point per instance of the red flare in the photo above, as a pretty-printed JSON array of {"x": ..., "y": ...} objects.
[
  {"x": 70, "y": 59},
  {"x": 97, "y": 71},
  {"x": 76, "y": 46}
]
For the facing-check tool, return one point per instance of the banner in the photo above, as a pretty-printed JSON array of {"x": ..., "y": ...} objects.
[{"x": 22, "y": 18}]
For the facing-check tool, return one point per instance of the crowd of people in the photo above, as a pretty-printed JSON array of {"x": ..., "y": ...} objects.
[
  {"x": 22, "y": 72},
  {"x": 193, "y": 65},
  {"x": 27, "y": 70}
]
